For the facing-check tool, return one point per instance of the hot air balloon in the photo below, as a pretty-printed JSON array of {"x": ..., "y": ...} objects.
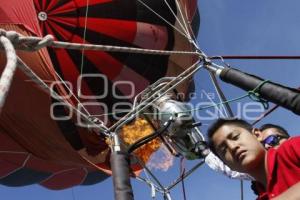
[{"x": 41, "y": 141}]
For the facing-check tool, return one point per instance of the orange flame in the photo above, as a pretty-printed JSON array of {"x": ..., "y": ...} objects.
[{"x": 137, "y": 130}]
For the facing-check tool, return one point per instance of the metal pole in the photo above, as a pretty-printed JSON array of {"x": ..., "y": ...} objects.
[{"x": 120, "y": 167}]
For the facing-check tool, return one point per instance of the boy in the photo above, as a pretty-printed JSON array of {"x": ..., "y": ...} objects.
[
  {"x": 270, "y": 135},
  {"x": 234, "y": 142}
]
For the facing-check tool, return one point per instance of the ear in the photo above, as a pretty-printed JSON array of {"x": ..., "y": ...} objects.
[{"x": 257, "y": 133}]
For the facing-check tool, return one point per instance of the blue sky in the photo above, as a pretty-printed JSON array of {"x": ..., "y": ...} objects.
[{"x": 228, "y": 27}]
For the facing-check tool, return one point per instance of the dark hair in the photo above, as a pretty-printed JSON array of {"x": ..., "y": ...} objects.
[
  {"x": 279, "y": 129},
  {"x": 225, "y": 121}
]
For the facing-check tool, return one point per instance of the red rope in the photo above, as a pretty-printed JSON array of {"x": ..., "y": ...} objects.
[{"x": 254, "y": 57}]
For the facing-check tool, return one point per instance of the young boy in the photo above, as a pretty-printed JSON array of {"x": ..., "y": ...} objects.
[
  {"x": 235, "y": 143},
  {"x": 270, "y": 135}
]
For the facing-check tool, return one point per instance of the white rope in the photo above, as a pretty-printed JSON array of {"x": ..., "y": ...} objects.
[
  {"x": 194, "y": 38},
  {"x": 177, "y": 19},
  {"x": 34, "y": 43},
  {"x": 85, "y": 175},
  {"x": 229, "y": 112},
  {"x": 171, "y": 25},
  {"x": 227, "y": 109},
  {"x": 213, "y": 103},
  {"x": 184, "y": 22},
  {"x": 191, "y": 37},
  {"x": 23, "y": 164},
  {"x": 150, "y": 184},
  {"x": 108, "y": 48},
  {"x": 9, "y": 70},
  {"x": 32, "y": 75},
  {"x": 84, "y": 36},
  {"x": 158, "y": 94},
  {"x": 31, "y": 43},
  {"x": 191, "y": 32},
  {"x": 72, "y": 94},
  {"x": 40, "y": 82},
  {"x": 56, "y": 173},
  {"x": 153, "y": 191},
  {"x": 44, "y": 86},
  {"x": 167, "y": 196}
]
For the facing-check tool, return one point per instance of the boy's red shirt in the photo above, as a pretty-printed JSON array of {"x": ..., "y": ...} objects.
[{"x": 283, "y": 168}]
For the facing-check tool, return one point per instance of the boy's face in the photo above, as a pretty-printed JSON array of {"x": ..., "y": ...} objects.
[
  {"x": 238, "y": 148},
  {"x": 262, "y": 135}
]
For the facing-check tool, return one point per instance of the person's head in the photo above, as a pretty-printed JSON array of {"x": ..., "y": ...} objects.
[
  {"x": 271, "y": 135},
  {"x": 234, "y": 142}
]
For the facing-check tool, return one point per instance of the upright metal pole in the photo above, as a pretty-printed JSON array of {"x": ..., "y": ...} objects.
[
  {"x": 120, "y": 166},
  {"x": 230, "y": 113}
]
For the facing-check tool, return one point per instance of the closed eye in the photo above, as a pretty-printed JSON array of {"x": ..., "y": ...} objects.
[{"x": 236, "y": 136}]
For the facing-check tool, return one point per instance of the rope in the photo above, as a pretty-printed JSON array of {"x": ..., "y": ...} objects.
[
  {"x": 46, "y": 88},
  {"x": 142, "y": 164},
  {"x": 219, "y": 109},
  {"x": 249, "y": 57},
  {"x": 108, "y": 48},
  {"x": 154, "y": 188},
  {"x": 229, "y": 112},
  {"x": 177, "y": 19},
  {"x": 253, "y": 94},
  {"x": 84, "y": 36},
  {"x": 73, "y": 195},
  {"x": 184, "y": 22},
  {"x": 171, "y": 25},
  {"x": 9, "y": 70},
  {"x": 35, "y": 43},
  {"x": 263, "y": 115},
  {"x": 185, "y": 175},
  {"x": 23, "y": 164},
  {"x": 158, "y": 94},
  {"x": 167, "y": 196},
  {"x": 226, "y": 108},
  {"x": 31, "y": 43},
  {"x": 182, "y": 172},
  {"x": 72, "y": 93}
]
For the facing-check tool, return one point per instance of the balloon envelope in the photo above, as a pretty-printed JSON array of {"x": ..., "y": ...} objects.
[{"x": 36, "y": 148}]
